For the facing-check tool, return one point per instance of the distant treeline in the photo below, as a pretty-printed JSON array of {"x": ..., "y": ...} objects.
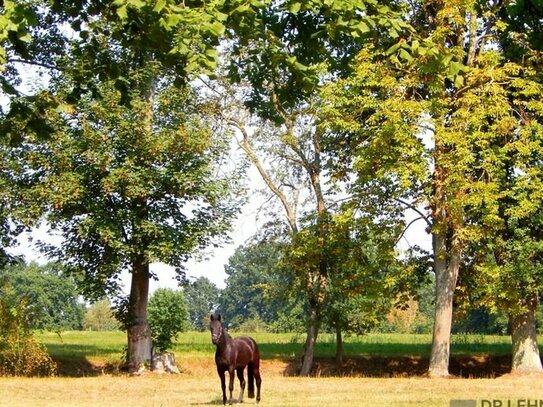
[{"x": 254, "y": 299}]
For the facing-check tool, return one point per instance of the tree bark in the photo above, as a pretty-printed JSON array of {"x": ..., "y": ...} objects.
[
  {"x": 339, "y": 345},
  {"x": 310, "y": 341},
  {"x": 164, "y": 363},
  {"x": 446, "y": 270},
  {"x": 246, "y": 146},
  {"x": 526, "y": 357},
  {"x": 138, "y": 331}
]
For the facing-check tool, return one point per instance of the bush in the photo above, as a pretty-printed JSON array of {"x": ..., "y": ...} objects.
[
  {"x": 168, "y": 315},
  {"x": 100, "y": 317},
  {"x": 20, "y": 353},
  {"x": 253, "y": 324}
]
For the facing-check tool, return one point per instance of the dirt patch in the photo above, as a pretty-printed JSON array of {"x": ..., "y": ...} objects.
[{"x": 382, "y": 367}]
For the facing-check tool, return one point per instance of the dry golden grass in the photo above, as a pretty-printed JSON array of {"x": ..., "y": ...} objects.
[{"x": 198, "y": 385}]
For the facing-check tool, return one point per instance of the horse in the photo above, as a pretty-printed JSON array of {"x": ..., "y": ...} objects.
[{"x": 232, "y": 355}]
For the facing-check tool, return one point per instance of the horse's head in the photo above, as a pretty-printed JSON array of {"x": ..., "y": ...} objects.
[{"x": 217, "y": 330}]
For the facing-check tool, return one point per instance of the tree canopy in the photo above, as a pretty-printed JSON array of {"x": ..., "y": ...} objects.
[
  {"x": 50, "y": 294},
  {"x": 202, "y": 298}
]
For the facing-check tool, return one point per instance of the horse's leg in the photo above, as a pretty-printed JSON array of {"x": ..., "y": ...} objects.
[
  {"x": 250, "y": 381},
  {"x": 241, "y": 383},
  {"x": 223, "y": 384},
  {"x": 231, "y": 386},
  {"x": 258, "y": 379}
]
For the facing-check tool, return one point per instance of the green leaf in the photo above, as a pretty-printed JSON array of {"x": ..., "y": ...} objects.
[
  {"x": 406, "y": 55},
  {"x": 241, "y": 9},
  {"x": 212, "y": 53},
  {"x": 363, "y": 27},
  {"x": 217, "y": 28},
  {"x": 455, "y": 67},
  {"x": 137, "y": 3},
  {"x": 24, "y": 36},
  {"x": 300, "y": 67},
  {"x": 172, "y": 20},
  {"x": 159, "y": 6},
  {"x": 64, "y": 108},
  {"x": 393, "y": 48},
  {"x": 191, "y": 66},
  {"x": 459, "y": 81},
  {"x": 446, "y": 60},
  {"x": 122, "y": 13},
  {"x": 221, "y": 16},
  {"x": 294, "y": 7}
]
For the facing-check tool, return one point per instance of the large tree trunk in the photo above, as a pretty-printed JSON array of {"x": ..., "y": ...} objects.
[
  {"x": 339, "y": 345},
  {"x": 526, "y": 357},
  {"x": 446, "y": 269},
  {"x": 139, "y": 334},
  {"x": 310, "y": 341}
]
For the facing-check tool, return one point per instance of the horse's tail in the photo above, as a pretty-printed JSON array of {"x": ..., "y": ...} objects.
[{"x": 251, "y": 381}]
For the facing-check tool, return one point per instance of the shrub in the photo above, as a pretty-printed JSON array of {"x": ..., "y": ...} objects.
[
  {"x": 167, "y": 313},
  {"x": 100, "y": 317},
  {"x": 253, "y": 324},
  {"x": 20, "y": 353}
]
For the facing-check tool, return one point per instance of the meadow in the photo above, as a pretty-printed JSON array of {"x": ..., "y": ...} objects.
[{"x": 379, "y": 370}]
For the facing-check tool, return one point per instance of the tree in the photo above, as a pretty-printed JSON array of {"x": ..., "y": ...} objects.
[
  {"x": 50, "y": 295},
  {"x": 117, "y": 55},
  {"x": 480, "y": 175},
  {"x": 158, "y": 195},
  {"x": 126, "y": 56},
  {"x": 258, "y": 285},
  {"x": 505, "y": 251},
  {"x": 202, "y": 298},
  {"x": 285, "y": 56},
  {"x": 168, "y": 317},
  {"x": 366, "y": 276},
  {"x": 100, "y": 317},
  {"x": 433, "y": 84}
]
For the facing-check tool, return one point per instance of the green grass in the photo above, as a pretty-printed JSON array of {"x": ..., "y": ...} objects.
[
  {"x": 109, "y": 346},
  {"x": 104, "y": 346}
]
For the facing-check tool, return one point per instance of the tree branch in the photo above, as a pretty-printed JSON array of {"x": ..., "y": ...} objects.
[
  {"x": 245, "y": 145},
  {"x": 417, "y": 210},
  {"x": 406, "y": 228},
  {"x": 40, "y": 64}
]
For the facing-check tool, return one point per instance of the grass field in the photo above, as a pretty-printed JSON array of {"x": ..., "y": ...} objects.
[
  {"x": 90, "y": 356},
  {"x": 109, "y": 345}
]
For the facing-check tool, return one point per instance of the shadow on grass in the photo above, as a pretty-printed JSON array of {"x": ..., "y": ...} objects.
[
  {"x": 82, "y": 367},
  {"x": 404, "y": 366},
  {"x": 74, "y": 360}
]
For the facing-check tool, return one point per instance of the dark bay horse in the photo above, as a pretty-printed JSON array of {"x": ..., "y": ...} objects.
[{"x": 232, "y": 355}]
